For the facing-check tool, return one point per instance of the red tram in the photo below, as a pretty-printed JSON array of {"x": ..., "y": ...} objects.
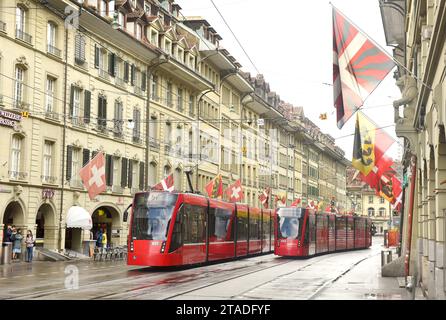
[
  {"x": 175, "y": 229},
  {"x": 300, "y": 232}
]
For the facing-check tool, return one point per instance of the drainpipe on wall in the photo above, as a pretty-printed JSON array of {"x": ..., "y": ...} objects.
[{"x": 63, "y": 138}]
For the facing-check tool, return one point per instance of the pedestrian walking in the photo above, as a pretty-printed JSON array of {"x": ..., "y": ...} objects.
[
  {"x": 104, "y": 240},
  {"x": 16, "y": 238},
  {"x": 30, "y": 242}
]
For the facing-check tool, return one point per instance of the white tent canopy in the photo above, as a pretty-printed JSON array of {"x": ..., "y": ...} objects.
[{"x": 78, "y": 217}]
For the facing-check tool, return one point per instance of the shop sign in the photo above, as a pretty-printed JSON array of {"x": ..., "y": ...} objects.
[
  {"x": 9, "y": 119},
  {"x": 48, "y": 193}
]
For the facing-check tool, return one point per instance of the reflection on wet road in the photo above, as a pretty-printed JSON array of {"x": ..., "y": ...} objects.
[{"x": 261, "y": 277}]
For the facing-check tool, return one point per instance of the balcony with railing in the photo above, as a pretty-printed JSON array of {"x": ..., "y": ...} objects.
[
  {"x": 117, "y": 189},
  {"x": 168, "y": 148},
  {"x": 136, "y": 139},
  {"x": 81, "y": 62},
  {"x": 51, "y": 115},
  {"x": 103, "y": 74},
  {"x": 48, "y": 179},
  {"x": 17, "y": 175},
  {"x": 138, "y": 91},
  {"x": 21, "y": 105},
  {"x": 154, "y": 143},
  {"x": 78, "y": 122},
  {"x": 102, "y": 128},
  {"x": 23, "y": 36},
  {"x": 54, "y": 51},
  {"x": 2, "y": 26},
  {"x": 75, "y": 183},
  {"x": 118, "y": 133},
  {"x": 120, "y": 82}
]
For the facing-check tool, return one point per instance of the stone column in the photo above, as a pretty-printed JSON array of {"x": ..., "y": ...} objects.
[
  {"x": 440, "y": 207},
  {"x": 424, "y": 214},
  {"x": 51, "y": 237},
  {"x": 431, "y": 207}
]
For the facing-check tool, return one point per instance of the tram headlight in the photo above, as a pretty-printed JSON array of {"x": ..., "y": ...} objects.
[
  {"x": 163, "y": 247},
  {"x": 131, "y": 246}
]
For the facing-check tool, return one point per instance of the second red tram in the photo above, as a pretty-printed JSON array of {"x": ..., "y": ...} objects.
[
  {"x": 301, "y": 232},
  {"x": 175, "y": 229}
]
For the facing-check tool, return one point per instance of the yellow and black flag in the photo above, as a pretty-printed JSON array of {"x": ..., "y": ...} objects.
[
  {"x": 370, "y": 144},
  {"x": 364, "y": 145}
]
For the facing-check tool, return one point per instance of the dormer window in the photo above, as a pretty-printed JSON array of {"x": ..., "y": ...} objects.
[
  {"x": 154, "y": 37},
  {"x": 121, "y": 19},
  {"x": 168, "y": 46},
  {"x": 138, "y": 32}
]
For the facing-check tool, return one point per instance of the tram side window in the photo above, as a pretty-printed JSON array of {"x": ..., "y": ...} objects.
[
  {"x": 176, "y": 234},
  {"x": 242, "y": 228},
  {"x": 266, "y": 229},
  {"x": 219, "y": 223},
  {"x": 254, "y": 228},
  {"x": 194, "y": 224}
]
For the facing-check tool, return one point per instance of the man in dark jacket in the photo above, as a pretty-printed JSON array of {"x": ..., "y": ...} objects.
[{"x": 8, "y": 234}]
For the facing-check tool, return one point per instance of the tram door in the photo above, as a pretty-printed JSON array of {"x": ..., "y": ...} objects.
[{"x": 312, "y": 226}]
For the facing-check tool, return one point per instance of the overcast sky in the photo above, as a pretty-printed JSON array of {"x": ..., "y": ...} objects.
[{"x": 290, "y": 42}]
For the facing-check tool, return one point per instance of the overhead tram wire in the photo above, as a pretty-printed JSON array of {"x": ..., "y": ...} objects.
[{"x": 233, "y": 34}]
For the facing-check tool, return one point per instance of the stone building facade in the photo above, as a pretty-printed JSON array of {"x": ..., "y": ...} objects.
[
  {"x": 155, "y": 92},
  {"x": 417, "y": 32}
]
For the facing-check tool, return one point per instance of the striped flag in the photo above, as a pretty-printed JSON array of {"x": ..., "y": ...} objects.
[{"x": 358, "y": 67}]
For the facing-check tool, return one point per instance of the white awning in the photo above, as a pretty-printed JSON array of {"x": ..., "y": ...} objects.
[{"x": 78, "y": 217}]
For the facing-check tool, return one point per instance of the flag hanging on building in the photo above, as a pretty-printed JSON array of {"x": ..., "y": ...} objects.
[
  {"x": 280, "y": 200},
  {"x": 264, "y": 197},
  {"x": 295, "y": 202},
  {"x": 358, "y": 67},
  {"x": 234, "y": 192},
  {"x": 397, "y": 193},
  {"x": 214, "y": 188},
  {"x": 370, "y": 144},
  {"x": 93, "y": 175},
  {"x": 165, "y": 184},
  {"x": 373, "y": 178}
]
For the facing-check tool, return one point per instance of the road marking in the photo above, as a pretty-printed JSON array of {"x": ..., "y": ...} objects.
[
  {"x": 43, "y": 274},
  {"x": 29, "y": 275}
]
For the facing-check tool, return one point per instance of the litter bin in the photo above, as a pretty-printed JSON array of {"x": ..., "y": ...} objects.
[{"x": 6, "y": 253}]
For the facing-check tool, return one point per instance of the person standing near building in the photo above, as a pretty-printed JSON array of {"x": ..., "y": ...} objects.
[
  {"x": 99, "y": 238},
  {"x": 29, "y": 241},
  {"x": 16, "y": 238},
  {"x": 8, "y": 234},
  {"x": 104, "y": 240}
]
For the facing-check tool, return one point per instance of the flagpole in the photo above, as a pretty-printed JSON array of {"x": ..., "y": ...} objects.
[{"x": 381, "y": 47}]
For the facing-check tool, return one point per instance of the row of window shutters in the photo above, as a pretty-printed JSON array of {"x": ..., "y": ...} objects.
[{"x": 126, "y": 168}]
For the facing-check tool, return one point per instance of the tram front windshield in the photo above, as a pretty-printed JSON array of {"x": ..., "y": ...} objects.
[
  {"x": 289, "y": 220},
  {"x": 152, "y": 215}
]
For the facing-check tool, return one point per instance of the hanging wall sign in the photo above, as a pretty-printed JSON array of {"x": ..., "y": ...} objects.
[{"x": 9, "y": 119}]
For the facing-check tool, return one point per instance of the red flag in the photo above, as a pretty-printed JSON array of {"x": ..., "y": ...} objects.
[
  {"x": 295, "y": 202},
  {"x": 397, "y": 193},
  {"x": 165, "y": 184},
  {"x": 264, "y": 197},
  {"x": 214, "y": 188},
  {"x": 358, "y": 67},
  {"x": 373, "y": 178},
  {"x": 93, "y": 175},
  {"x": 235, "y": 192}
]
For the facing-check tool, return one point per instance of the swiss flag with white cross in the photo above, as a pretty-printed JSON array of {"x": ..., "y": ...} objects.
[
  {"x": 93, "y": 175},
  {"x": 235, "y": 192}
]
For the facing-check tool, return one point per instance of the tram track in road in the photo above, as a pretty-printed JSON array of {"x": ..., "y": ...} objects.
[
  {"x": 339, "y": 276},
  {"x": 139, "y": 293},
  {"x": 151, "y": 275}
]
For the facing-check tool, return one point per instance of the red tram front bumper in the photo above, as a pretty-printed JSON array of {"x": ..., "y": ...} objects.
[
  {"x": 148, "y": 253},
  {"x": 290, "y": 248}
]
